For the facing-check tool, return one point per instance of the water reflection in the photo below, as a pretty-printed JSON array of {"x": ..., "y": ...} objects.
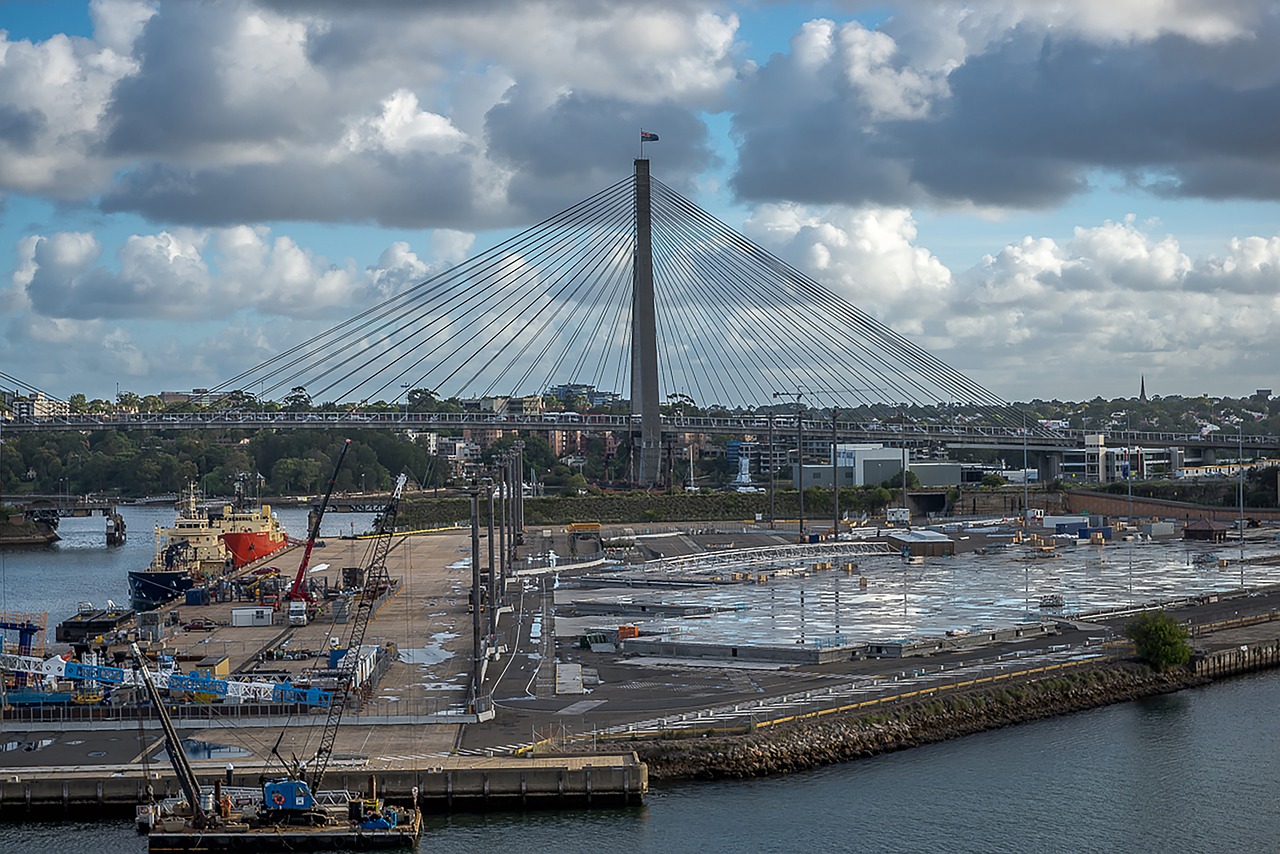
[{"x": 196, "y": 749}]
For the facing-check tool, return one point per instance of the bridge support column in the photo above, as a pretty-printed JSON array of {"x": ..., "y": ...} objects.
[
  {"x": 644, "y": 336},
  {"x": 1050, "y": 467}
]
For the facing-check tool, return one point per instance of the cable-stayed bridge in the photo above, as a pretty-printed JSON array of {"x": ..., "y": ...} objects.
[
  {"x": 638, "y": 291},
  {"x": 914, "y": 434}
]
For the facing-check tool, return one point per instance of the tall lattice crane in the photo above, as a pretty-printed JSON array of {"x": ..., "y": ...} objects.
[{"x": 375, "y": 581}]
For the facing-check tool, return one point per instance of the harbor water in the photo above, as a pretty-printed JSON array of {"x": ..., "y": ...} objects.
[{"x": 1190, "y": 772}]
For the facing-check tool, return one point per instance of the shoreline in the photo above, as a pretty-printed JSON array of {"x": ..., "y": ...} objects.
[{"x": 812, "y": 742}]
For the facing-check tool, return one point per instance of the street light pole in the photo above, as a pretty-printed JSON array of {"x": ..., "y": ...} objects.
[
  {"x": 800, "y": 458},
  {"x": 799, "y": 398},
  {"x": 773, "y": 471},
  {"x": 835, "y": 474},
  {"x": 1128, "y": 477},
  {"x": 1240, "y": 479},
  {"x": 1024, "y": 468}
]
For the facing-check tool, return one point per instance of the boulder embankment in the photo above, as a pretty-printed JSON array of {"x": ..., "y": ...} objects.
[{"x": 807, "y": 743}]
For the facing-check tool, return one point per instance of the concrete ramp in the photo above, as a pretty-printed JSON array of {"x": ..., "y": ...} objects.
[{"x": 569, "y": 679}]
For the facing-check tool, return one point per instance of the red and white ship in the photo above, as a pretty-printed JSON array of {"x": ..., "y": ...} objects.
[{"x": 251, "y": 534}]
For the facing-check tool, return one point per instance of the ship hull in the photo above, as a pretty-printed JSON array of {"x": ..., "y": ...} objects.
[
  {"x": 152, "y": 588},
  {"x": 278, "y": 839},
  {"x": 249, "y": 546}
]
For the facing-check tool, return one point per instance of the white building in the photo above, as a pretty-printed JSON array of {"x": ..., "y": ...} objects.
[
  {"x": 856, "y": 465},
  {"x": 39, "y": 406}
]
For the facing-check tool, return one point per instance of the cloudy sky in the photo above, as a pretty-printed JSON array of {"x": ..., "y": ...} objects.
[{"x": 1054, "y": 197}]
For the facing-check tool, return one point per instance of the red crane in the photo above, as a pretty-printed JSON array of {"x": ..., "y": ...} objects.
[{"x": 298, "y": 591}]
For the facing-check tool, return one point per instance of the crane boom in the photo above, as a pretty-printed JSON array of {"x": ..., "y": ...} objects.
[
  {"x": 375, "y": 579},
  {"x": 172, "y": 743},
  {"x": 297, "y": 590}
]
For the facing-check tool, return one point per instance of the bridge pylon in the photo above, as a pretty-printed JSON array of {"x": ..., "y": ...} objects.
[{"x": 644, "y": 335}]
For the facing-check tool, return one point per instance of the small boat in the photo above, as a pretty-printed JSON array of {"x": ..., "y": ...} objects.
[{"x": 1052, "y": 600}]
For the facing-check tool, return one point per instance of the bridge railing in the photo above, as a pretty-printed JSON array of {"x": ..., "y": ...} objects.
[{"x": 747, "y": 424}]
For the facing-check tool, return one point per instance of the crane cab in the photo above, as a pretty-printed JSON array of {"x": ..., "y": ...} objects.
[{"x": 287, "y": 794}]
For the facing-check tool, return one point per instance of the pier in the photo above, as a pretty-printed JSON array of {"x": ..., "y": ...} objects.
[{"x": 451, "y": 783}]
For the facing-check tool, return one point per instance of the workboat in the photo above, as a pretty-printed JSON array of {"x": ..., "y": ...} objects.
[
  {"x": 188, "y": 553},
  {"x": 201, "y": 547},
  {"x": 283, "y": 815}
]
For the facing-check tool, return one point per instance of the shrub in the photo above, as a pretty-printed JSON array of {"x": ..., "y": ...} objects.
[{"x": 1159, "y": 640}]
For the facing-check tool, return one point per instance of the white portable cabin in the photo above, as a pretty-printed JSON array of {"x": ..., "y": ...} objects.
[{"x": 251, "y": 616}]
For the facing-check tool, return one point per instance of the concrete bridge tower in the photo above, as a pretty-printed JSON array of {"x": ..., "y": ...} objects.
[{"x": 644, "y": 335}]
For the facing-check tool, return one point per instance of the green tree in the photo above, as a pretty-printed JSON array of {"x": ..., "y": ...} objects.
[
  {"x": 128, "y": 400},
  {"x": 1159, "y": 640},
  {"x": 297, "y": 400},
  {"x": 993, "y": 480}
]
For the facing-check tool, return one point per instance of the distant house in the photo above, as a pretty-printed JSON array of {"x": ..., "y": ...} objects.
[{"x": 1206, "y": 530}]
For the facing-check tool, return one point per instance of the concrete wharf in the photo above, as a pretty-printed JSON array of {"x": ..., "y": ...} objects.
[{"x": 406, "y": 730}]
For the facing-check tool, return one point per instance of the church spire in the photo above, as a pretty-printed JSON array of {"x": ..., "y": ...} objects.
[{"x": 1142, "y": 389}]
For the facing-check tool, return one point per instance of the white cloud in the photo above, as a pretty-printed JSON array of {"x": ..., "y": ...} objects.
[
  {"x": 401, "y": 126},
  {"x": 54, "y": 97},
  {"x": 868, "y": 256},
  {"x": 889, "y": 90},
  {"x": 1079, "y": 318},
  {"x": 188, "y": 274}
]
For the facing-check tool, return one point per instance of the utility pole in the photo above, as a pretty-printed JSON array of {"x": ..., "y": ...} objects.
[
  {"x": 493, "y": 578},
  {"x": 1240, "y": 466},
  {"x": 798, "y": 395},
  {"x": 477, "y": 666},
  {"x": 518, "y": 445},
  {"x": 800, "y": 457},
  {"x": 773, "y": 471},
  {"x": 503, "y": 566},
  {"x": 1024, "y": 472},
  {"x": 835, "y": 474}
]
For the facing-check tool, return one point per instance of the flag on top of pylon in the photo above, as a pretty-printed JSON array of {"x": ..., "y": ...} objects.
[{"x": 645, "y": 136}]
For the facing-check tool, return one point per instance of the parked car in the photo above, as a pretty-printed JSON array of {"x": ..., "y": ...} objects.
[{"x": 200, "y": 626}]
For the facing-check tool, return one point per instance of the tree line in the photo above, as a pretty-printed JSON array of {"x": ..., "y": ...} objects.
[{"x": 136, "y": 463}]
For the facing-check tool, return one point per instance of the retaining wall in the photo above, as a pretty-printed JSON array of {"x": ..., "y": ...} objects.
[{"x": 492, "y": 783}]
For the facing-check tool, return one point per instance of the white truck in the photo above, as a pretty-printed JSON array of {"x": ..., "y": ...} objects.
[{"x": 298, "y": 612}]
